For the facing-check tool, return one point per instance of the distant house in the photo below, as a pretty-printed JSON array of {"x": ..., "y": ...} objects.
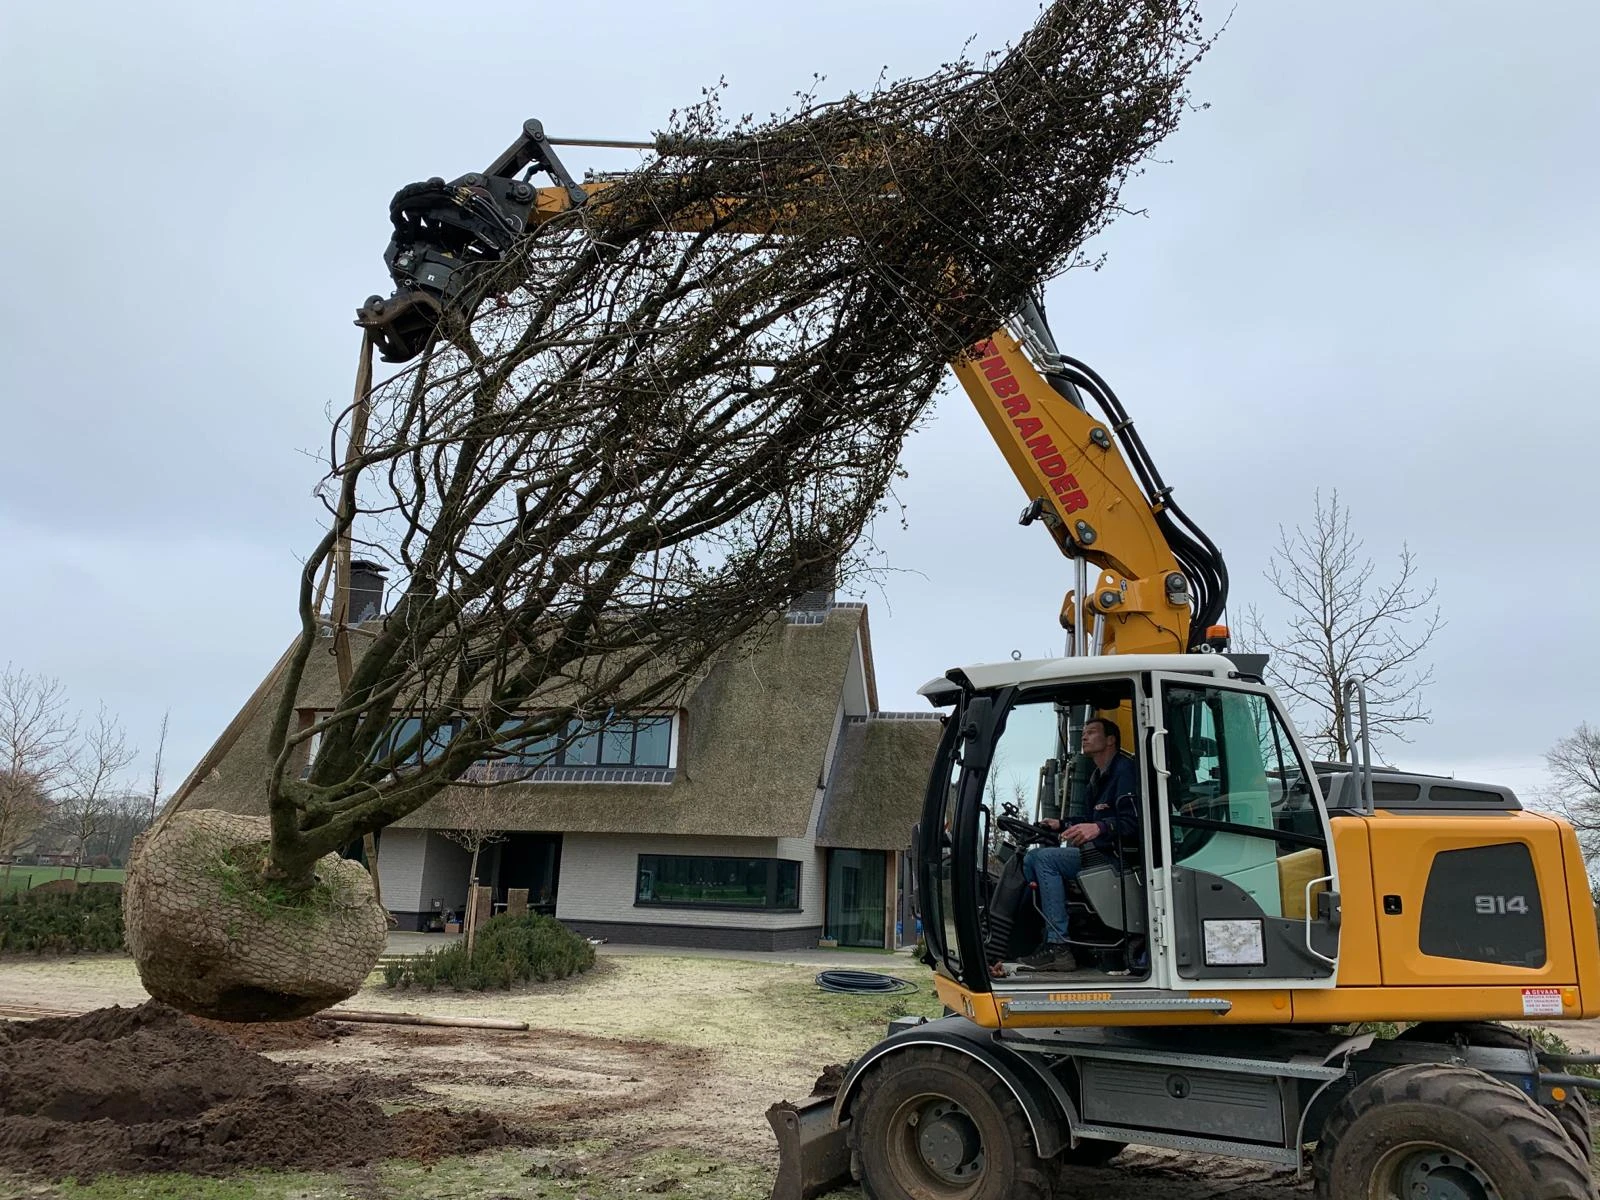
[{"x": 773, "y": 809}]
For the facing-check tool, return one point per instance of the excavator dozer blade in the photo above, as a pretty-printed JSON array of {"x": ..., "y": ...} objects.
[{"x": 813, "y": 1159}]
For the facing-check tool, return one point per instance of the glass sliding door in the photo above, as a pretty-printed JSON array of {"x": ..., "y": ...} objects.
[{"x": 857, "y": 886}]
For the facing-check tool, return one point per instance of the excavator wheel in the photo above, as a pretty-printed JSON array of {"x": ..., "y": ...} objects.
[
  {"x": 932, "y": 1124},
  {"x": 1576, "y": 1119},
  {"x": 1450, "y": 1133},
  {"x": 1572, "y": 1112}
]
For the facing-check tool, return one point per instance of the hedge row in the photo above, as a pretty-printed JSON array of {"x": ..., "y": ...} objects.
[
  {"x": 53, "y": 922},
  {"x": 508, "y": 950}
]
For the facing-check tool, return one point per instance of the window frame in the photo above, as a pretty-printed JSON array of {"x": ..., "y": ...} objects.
[{"x": 774, "y": 888}]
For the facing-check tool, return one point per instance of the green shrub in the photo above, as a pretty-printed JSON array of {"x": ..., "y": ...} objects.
[
  {"x": 424, "y": 972},
  {"x": 394, "y": 974},
  {"x": 508, "y": 951},
  {"x": 84, "y": 921}
]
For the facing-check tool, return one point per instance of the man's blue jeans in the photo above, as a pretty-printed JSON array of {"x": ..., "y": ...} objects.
[{"x": 1050, "y": 867}]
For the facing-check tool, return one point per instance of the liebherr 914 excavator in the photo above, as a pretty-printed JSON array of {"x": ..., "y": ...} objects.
[{"x": 1269, "y": 906}]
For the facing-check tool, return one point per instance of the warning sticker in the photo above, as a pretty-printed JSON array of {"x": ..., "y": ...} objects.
[{"x": 1541, "y": 1002}]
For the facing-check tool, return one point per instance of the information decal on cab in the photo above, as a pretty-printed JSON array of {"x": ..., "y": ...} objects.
[{"x": 1541, "y": 1002}]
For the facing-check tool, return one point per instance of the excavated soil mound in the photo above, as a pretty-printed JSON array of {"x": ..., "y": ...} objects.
[{"x": 149, "y": 1089}]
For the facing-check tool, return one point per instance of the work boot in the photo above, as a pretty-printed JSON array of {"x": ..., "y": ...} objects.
[{"x": 1053, "y": 956}]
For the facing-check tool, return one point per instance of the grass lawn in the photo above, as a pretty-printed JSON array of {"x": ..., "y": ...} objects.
[{"x": 27, "y": 877}]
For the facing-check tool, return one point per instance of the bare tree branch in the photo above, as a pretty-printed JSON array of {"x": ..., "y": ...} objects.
[{"x": 155, "y": 770}]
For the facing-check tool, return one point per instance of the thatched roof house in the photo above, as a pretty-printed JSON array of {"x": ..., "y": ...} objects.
[{"x": 772, "y": 809}]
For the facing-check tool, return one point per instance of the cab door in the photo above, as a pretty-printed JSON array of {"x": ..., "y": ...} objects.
[{"x": 1252, "y": 877}]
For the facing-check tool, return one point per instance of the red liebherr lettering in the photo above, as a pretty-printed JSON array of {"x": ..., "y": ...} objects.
[{"x": 1030, "y": 429}]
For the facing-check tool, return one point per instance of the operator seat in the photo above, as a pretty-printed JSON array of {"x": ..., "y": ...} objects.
[{"x": 1115, "y": 893}]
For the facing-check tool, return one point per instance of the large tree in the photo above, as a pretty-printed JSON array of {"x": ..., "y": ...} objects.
[
  {"x": 689, "y": 399},
  {"x": 1342, "y": 619},
  {"x": 675, "y": 410}
]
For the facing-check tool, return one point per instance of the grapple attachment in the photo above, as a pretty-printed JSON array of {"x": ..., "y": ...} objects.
[{"x": 448, "y": 238}]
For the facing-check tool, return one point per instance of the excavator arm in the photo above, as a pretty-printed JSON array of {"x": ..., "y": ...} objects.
[{"x": 1157, "y": 583}]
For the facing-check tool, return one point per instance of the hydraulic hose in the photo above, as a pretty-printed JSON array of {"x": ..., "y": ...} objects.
[
  {"x": 863, "y": 983},
  {"x": 1198, "y": 557}
]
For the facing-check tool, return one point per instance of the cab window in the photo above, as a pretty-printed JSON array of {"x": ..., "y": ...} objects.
[{"x": 1232, "y": 763}]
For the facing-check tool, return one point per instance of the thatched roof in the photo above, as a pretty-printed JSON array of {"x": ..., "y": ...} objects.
[
  {"x": 754, "y": 738},
  {"x": 875, "y": 795}
]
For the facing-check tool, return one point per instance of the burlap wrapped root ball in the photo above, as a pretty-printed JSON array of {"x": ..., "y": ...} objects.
[{"x": 211, "y": 940}]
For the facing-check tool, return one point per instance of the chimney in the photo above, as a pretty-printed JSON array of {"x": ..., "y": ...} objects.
[
  {"x": 820, "y": 592},
  {"x": 366, "y": 591}
]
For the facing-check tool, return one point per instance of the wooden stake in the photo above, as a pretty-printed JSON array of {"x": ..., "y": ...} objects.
[
  {"x": 360, "y": 409},
  {"x": 392, "y": 1018}
]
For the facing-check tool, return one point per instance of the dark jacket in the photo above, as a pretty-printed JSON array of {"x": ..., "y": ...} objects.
[{"x": 1113, "y": 803}]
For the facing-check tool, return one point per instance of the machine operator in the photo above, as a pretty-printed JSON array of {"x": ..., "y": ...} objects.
[{"x": 1113, "y": 802}]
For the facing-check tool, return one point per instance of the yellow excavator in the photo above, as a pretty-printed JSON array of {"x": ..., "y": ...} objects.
[{"x": 1233, "y": 947}]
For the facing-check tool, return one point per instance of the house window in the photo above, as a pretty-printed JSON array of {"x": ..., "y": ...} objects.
[
  {"x": 705, "y": 881},
  {"x": 407, "y": 728},
  {"x": 856, "y": 896},
  {"x": 619, "y": 742},
  {"x": 642, "y": 741}
]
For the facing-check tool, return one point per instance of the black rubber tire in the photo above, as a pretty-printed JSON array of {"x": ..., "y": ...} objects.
[
  {"x": 1519, "y": 1146},
  {"x": 1011, "y": 1168},
  {"x": 1575, "y": 1118},
  {"x": 1089, "y": 1153},
  {"x": 1572, "y": 1113}
]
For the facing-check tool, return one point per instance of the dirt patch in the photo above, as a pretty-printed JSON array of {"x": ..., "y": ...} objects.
[
  {"x": 278, "y": 1035},
  {"x": 148, "y": 1089}
]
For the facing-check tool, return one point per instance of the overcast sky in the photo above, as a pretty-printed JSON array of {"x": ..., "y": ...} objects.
[{"x": 1370, "y": 265}]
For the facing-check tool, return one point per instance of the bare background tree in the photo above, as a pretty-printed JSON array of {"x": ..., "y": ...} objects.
[
  {"x": 93, "y": 787},
  {"x": 129, "y": 816},
  {"x": 1344, "y": 621},
  {"x": 477, "y": 823},
  {"x": 36, "y": 745},
  {"x": 1574, "y": 792}
]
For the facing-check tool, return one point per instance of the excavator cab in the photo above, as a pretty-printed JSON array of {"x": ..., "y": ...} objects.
[{"x": 1231, "y": 880}]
